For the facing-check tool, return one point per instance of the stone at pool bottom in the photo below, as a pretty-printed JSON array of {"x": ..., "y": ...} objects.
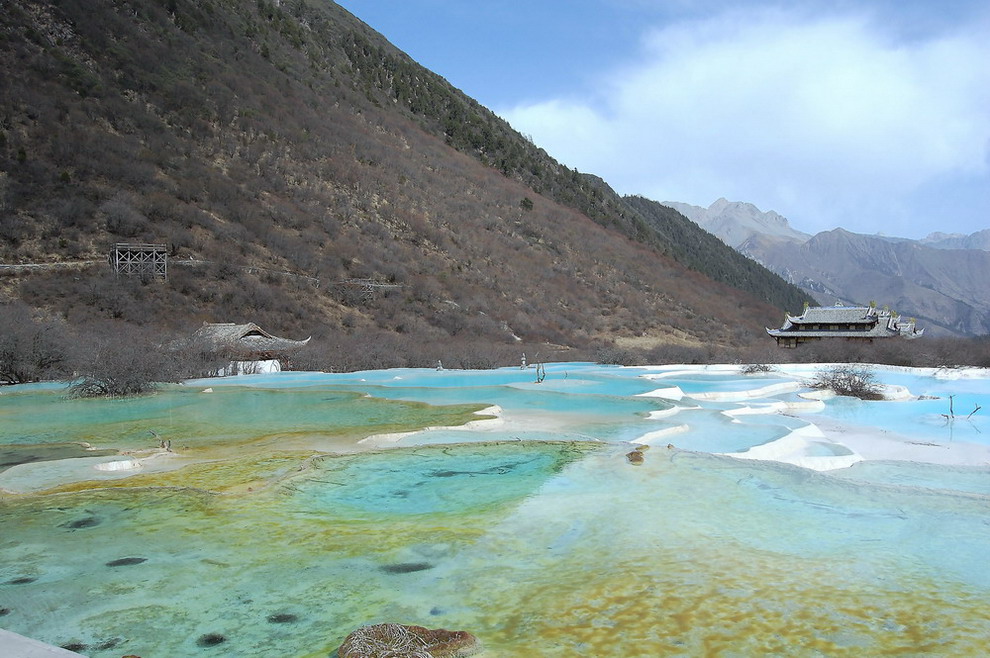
[{"x": 380, "y": 640}]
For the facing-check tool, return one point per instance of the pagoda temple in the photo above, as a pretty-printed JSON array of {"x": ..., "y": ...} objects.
[{"x": 852, "y": 323}]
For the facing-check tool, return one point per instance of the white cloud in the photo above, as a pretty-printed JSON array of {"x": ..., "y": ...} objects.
[{"x": 825, "y": 119}]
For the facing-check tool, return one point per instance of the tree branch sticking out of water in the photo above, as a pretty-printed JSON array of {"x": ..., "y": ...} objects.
[
  {"x": 541, "y": 372},
  {"x": 951, "y": 416}
]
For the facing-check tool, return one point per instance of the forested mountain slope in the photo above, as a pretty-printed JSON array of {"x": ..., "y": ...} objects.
[
  {"x": 703, "y": 251},
  {"x": 287, "y": 155}
]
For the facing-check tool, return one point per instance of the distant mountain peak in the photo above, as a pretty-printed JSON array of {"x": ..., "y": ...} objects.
[
  {"x": 939, "y": 235},
  {"x": 719, "y": 205},
  {"x": 978, "y": 240},
  {"x": 738, "y": 222}
]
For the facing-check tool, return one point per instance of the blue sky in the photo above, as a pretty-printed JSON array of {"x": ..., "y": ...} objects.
[{"x": 870, "y": 116}]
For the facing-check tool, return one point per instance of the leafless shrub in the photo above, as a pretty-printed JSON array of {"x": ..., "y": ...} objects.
[
  {"x": 756, "y": 368},
  {"x": 121, "y": 360},
  {"x": 122, "y": 218},
  {"x": 30, "y": 349},
  {"x": 610, "y": 354},
  {"x": 856, "y": 381},
  {"x": 677, "y": 354}
]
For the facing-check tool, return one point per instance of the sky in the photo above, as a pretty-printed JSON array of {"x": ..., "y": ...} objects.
[{"x": 870, "y": 115}]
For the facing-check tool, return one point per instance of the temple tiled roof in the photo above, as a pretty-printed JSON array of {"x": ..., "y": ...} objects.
[{"x": 835, "y": 314}]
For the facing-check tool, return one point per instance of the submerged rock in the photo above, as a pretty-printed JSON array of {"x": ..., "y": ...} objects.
[
  {"x": 635, "y": 457},
  {"x": 211, "y": 640},
  {"x": 406, "y": 567},
  {"x": 399, "y": 640},
  {"x": 283, "y": 618},
  {"x": 85, "y": 522},
  {"x": 107, "y": 644},
  {"x": 126, "y": 561}
]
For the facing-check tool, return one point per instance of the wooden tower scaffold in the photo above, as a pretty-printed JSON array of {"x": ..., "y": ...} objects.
[{"x": 134, "y": 259}]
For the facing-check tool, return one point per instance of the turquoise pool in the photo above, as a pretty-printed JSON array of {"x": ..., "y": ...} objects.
[{"x": 295, "y": 507}]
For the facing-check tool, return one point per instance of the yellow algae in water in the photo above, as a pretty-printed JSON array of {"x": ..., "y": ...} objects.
[
  {"x": 230, "y": 418},
  {"x": 225, "y": 564},
  {"x": 245, "y": 474},
  {"x": 725, "y": 607},
  {"x": 216, "y": 448},
  {"x": 664, "y": 574},
  {"x": 538, "y": 550}
]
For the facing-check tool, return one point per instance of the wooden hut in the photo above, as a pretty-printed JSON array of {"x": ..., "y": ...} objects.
[{"x": 245, "y": 348}]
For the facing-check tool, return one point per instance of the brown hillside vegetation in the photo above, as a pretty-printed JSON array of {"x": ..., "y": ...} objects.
[{"x": 248, "y": 138}]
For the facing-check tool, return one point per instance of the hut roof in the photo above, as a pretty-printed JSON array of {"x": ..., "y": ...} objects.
[{"x": 247, "y": 340}]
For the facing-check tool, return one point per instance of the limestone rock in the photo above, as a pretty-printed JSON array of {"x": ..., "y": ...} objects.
[{"x": 401, "y": 641}]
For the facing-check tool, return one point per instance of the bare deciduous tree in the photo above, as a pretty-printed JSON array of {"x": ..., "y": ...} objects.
[
  {"x": 30, "y": 349},
  {"x": 124, "y": 360}
]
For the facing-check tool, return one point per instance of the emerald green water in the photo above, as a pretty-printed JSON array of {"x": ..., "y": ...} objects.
[
  {"x": 151, "y": 571},
  {"x": 271, "y": 530},
  {"x": 229, "y": 416},
  {"x": 428, "y": 481}
]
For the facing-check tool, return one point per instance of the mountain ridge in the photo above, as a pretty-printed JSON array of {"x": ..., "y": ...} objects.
[
  {"x": 735, "y": 222},
  {"x": 939, "y": 279},
  {"x": 976, "y": 240},
  {"x": 261, "y": 140}
]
